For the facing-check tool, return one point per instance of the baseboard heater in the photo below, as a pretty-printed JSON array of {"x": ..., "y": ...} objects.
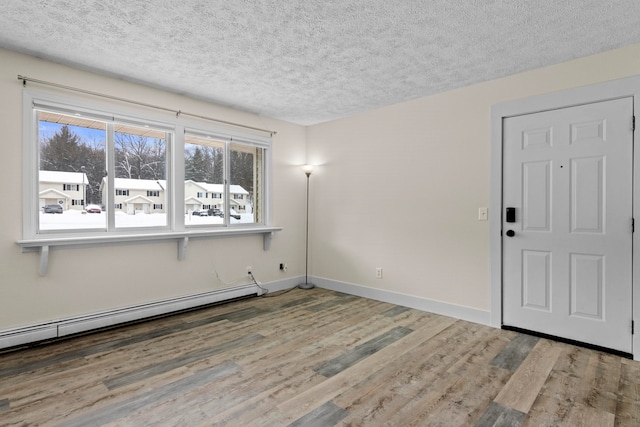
[{"x": 73, "y": 325}]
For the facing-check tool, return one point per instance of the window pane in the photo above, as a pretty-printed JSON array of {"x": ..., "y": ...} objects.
[
  {"x": 140, "y": 177},
  {"x": 72, "y": 165},
  {"x": 204, "y": 191},
  {"x": 246, "y": 185}
]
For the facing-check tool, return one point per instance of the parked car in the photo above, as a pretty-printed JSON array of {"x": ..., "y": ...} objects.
[
  {"x": 52, "y": 209},
  {"x": 93, "y": 209},
  {"x": 199, "y": 213},
  {"x": 218, "y": 212}
]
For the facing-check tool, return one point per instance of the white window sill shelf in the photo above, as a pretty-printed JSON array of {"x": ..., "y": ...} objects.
[{"x": 42, "y": 244}]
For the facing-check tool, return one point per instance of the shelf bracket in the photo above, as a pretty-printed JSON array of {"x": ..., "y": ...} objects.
[
  {"x": 44, "y": 260},
  {"x": 266, "y": 241},
  {"x": 182, "y": 248}
]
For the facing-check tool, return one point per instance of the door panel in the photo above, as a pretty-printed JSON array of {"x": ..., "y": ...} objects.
[
  {"x": 567, "y": 268},
  {"x": 536, "y": 196},
  {"x": 587, "y": 292},
  {"x": 587, "y": 202},
  {"x": 536, "y": 279}
]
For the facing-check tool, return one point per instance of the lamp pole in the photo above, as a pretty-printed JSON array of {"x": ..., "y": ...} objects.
[{"x": 306, "y": 285}]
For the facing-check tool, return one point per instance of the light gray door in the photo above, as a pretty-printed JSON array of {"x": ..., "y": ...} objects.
[{"x": 567, "y": 255}]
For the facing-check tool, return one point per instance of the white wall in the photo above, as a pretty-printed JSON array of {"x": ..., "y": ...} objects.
[
  {"x": 400, "y": 187},
  {"x": 87, "y": 280}
]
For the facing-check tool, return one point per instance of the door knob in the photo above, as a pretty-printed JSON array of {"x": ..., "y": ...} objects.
[{"x": 511, "y": 233}]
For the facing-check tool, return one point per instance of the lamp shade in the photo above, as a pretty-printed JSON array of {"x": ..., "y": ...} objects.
[{"x": 307, "y": 169}]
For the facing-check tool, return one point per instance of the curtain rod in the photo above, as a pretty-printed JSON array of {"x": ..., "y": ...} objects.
[{"x": 178, "y": 113}]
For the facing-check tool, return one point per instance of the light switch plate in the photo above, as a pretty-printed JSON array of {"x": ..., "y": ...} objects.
[{"x": 483, "y": 214}]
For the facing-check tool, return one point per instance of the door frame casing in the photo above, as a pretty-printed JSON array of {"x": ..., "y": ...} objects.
[{"x": 615, "y": 89}]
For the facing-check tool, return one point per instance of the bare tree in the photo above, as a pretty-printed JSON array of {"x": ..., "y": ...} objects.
[{"x": 139, "y": 157}]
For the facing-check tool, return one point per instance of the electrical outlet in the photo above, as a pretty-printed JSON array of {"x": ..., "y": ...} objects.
[
  {"x": 249, "y": 270},
  {"x": 378, "y": 272},
  {"x": 483, "y": 214}
]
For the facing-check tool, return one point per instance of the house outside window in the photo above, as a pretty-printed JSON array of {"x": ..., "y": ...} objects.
[
  {"x": 206, "y": 172},
  {"x": 54, "y": 188}
]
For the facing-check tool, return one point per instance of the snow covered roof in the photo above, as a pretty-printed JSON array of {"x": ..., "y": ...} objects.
[
  {"x": 236, "y": 189},
  {"x": 139, "y": 184},
  {"x": 138, "y": 199},
  {"x": 63, "y": 177},
  {"x": 161, "y": 184},
  {"x": 219, "y": 188},
  {"x": 52, "y": 192}
]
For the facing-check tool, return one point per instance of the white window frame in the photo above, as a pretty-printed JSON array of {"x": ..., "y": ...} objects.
[
  {"x": 227, "y": 140},
  {"x": 33, "y": 240}
]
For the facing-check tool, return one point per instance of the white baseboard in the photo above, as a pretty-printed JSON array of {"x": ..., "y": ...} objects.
[
  {"x": 28, "y": 334},
  {"x": 129, "y": 314},
  {"x": 456, "y": 311},
  {"x": 62, "y": 327},
  {"x": 282, "y": 285}
]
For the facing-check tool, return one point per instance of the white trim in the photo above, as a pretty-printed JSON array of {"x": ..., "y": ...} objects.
[
  {"x": 175, "y": 228},
  {"x": 72, "y": 325},
  {"x": 627, "y": 87},
  {"x": 182, "y": 238},
  {"x": 282, "y": 285},
  {"x": 437, "y": 307},
  {"x": 175, "y": 166},
  {"x": 97, "y": 240}
]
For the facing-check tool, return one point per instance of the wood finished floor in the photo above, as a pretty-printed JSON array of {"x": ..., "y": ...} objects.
[{"x": 315, "y": 358}]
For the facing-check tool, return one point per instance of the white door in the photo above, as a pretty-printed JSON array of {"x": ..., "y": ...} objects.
[{"x": 567, "y": 256}]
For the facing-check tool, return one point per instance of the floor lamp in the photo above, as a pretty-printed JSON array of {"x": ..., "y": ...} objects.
[{"x": 307, "y": 169}]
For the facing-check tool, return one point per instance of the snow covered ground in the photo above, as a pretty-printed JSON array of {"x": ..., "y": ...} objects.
[{"x": 76, "y": 220}]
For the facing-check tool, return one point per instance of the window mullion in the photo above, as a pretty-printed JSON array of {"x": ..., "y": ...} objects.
[
  {"x": 176, "y": 173},
  {"x": 227, "y": 179},
  {"x": 31, "y": 174},
  {"x": 111, "y": 191}
]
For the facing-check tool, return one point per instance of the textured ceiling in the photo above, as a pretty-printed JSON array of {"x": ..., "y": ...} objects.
[{"x": 316, "y": 60}]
